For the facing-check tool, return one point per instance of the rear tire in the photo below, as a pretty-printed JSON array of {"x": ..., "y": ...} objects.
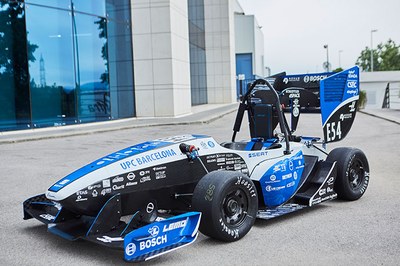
[
  {"x": 352, "y": 172},
  {"x": 228, "y": 202}
]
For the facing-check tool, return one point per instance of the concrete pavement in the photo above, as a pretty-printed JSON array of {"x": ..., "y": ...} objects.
[
  {"x": 391, "y": 115},
  {"x": 363, "y": 232},
  {"x": 200, "y": 115}
]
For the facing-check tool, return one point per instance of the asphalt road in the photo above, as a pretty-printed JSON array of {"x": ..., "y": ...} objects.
[{"x": 364, "y": 232}]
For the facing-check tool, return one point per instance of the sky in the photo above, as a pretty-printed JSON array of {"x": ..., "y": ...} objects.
[{"x": 295, "y": 31}]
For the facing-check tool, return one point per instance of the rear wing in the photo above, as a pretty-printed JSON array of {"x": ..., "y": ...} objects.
[{"x": 339, "y": 95}]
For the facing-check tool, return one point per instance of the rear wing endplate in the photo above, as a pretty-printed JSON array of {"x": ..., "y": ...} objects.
[{"x": 339, "y": 98}]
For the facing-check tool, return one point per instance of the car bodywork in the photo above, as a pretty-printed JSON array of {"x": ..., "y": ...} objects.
[{"x": 141, "y": 199}]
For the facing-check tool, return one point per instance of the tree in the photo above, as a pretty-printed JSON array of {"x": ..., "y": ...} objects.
[
  {"x": 339, "y": 69},
  {"x": 16, "y": 53},
  {"x": 386, "y": 57}
]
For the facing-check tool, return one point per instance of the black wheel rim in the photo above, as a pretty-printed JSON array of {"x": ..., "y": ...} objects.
[
  {"x": 356, "y": 174},
  {"x": 234, "y": 207}
]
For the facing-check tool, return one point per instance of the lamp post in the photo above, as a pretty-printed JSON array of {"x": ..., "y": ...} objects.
[
  {"x": 372, "y": 52},
  {"x": 340, "y": 65},
  {"x": 327, "y": 57}
]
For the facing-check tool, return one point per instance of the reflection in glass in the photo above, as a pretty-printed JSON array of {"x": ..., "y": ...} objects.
[
  {"x": 91, "y": 67},
  {"x": 119, "y": 39},
  {"x": 198, "y": 79},
  {"x": 52, "y": 76},
  {"x": 56, "y": 68},
  {"x": 64, "y": 4},
  {"x": 97, "y": 7},
  {"x": 14, "y": 77}
]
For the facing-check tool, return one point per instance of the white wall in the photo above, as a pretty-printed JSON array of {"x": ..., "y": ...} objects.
[
  {"x": 374, "y": 83},
  {"x": 250, "y": 39},
  {"x": 161, "y": 57},
  {"x": 220, "y": 51}
]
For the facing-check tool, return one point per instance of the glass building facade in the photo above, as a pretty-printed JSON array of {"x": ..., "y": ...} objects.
[
  {"x": 197, "y": 50},
  {"x": 65, "y": 62}
]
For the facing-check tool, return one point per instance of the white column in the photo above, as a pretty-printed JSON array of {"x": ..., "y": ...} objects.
[
  {"x": 161, "y": 57},
  {"x": 220, "y": 51}
]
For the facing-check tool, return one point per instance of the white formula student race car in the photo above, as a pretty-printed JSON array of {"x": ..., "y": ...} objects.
[{"x": 153, "y": 197}]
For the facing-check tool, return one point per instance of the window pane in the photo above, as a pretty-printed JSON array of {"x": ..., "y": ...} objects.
[
  {"x": 90, "y": 38},
  {"x": 14, "y": 77},
  {"x": 91, "y": 7},
  {"x": 65, "y": 4},
  {"x": 52, "y": 73}
]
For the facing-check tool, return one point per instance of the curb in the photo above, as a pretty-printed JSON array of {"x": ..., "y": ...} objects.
[
  {"x": 75, "y": 130},
  {"x": 380, "y": 117}
]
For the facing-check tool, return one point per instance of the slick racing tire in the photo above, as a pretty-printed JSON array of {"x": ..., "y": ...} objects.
[
  {"x": 352, "y": 172},
  {"x": 228, "y": 202}
]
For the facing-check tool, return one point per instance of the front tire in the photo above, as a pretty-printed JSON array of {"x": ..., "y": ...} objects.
[
  {"x": 228, "y": 202},
  {"x": 352, "y": 172}
]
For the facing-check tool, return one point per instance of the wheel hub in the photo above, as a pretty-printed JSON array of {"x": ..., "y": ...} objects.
[
  {"x": 235, "y": 207},
  {"x": 356, "y": 174}
]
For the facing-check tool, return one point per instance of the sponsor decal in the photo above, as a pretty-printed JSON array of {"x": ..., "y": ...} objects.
[
  {"x": 154, "y": 231},
  {"x": 157, "y": 168},
  {"x": 237, "y": 167},
  {"x": 106, "y": 183},
  {"x": 330, "y": 181},
  {"x": 117, "y": 179},
  {"x": 271, "y": 188},
  {"x": 118, "y": 187},
  {"x": 352, "y": 84},
  {"x": 145, "y": 179},
  {"x": 322, "y": 192},
  {"x": 352, "y": 106},
  {"x": 149, "y": 243},
  {"x": 173, "y": 226},
  {"x": 82, "y": 192},
  {"x": 150, "y": 207},
  {"x": 142, "y": 173},
  {"x": 273, "y": 177},
  {"x": 345, "y": 116},
  {"x": 287, "y": 176},
  {"x": 160, "y": 174},
  {"x": 131, "y": 176},
  {"x": 352, "y": 74},
  {"x": 131, "y": 184},
  {"x": 258, "y": 154},
  {"x": 107, "y": 239},
  {"x": 314, "y": 78},
  {"x": 105, "y": 191},
  {"x": 279, "y": 168},
  {"x": 79, "y": 198},
  {"x": 296, "y": 111},
  {"x": 290, "y": 184},
  {"x": 94, "y": 193},
  {"x": 211, "y": 144},
  {"x": 147, "y": 158},
  {"x": 220, "y": 160},
  {"x": 130, "y": 249},
  {"x": 94, "y": 186},
  {"x": 286, "y": 80},
  {"x": 47, "y": 216},
  {"x": 291, "y": 165}
]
